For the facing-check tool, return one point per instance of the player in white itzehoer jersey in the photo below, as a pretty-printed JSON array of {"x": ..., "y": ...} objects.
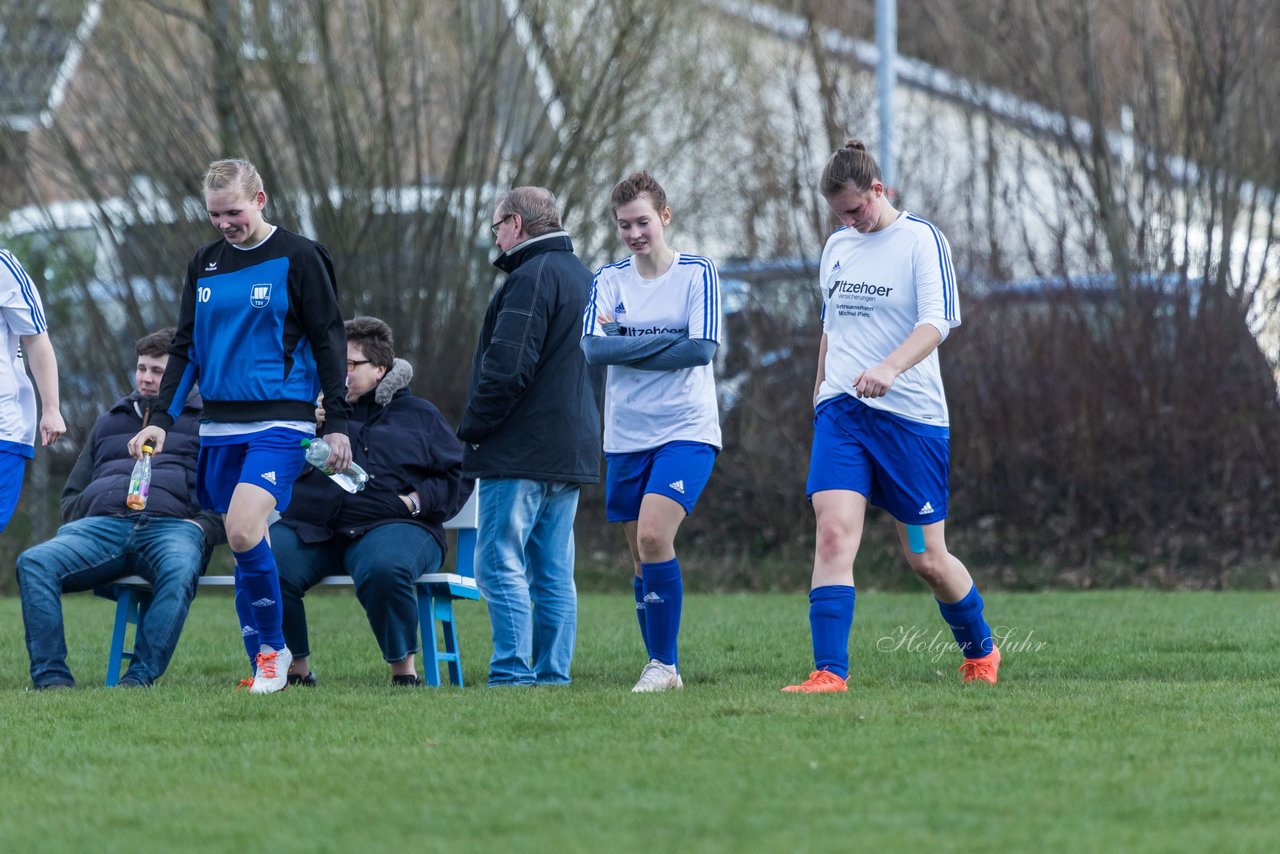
[
  {"x": 646, "y": 409},
  {"x": 654, "y": 319},
  {"x": 878, "y": 288},
  {"x": 24, "y": 329},
  {"x": 881, "y": 434}
]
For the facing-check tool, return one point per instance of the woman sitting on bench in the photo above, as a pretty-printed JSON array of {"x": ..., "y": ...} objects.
[{"x": 390, "y": 532}]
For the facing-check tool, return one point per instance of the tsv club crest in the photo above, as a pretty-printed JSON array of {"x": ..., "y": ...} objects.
[{"x": 260, "y": 295}]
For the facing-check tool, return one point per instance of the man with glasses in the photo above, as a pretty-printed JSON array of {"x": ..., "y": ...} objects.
[{"x": 532, "y": 428}]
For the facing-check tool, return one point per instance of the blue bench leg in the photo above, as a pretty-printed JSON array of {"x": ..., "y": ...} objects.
[
  {"x": 427, "y": 625},
  {"x": 126, "y": 613},
  {"x": 433, "y": 607},
  {"x": 444, "y": 613}
]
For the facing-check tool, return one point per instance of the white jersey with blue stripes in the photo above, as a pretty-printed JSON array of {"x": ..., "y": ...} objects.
[
  {"x": 877, "y": 288},
  {"x": 648, "y": 409},
  {"x": 23, "y": 314}
]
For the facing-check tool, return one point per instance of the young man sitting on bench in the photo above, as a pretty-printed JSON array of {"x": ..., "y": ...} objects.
[{"x": 168, "y": 542}]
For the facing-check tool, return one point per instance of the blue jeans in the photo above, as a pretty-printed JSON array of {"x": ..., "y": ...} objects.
[
  {"x": 524, "y": 569},
  {"x": 87, "y": 553},
  {"x": 383, "y": 563}
]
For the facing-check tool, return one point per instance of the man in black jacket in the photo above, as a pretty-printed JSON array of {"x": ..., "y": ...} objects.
[
  {"x": 168, "y": 542},
  {"x": 533, "y": 431}
]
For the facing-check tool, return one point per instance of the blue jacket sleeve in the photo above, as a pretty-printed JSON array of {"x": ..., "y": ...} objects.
[
  {"x": 685, "y": 353},
  {"x": 626, "y": 350},
  {"x": 441, "y": 488},
  {"x": 79, "y": 478},
  {"x": 508, "y": 362}
]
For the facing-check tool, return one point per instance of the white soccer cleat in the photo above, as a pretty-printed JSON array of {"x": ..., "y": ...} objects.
[
  {"x": 657, "y": 676},
  {"x": 272, "y": 673}
]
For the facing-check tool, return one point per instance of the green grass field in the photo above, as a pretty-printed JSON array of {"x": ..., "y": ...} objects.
[{"x": 1124, "y": 721}]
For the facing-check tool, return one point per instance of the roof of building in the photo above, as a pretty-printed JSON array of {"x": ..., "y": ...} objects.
[{"x": 42, "y": 42}]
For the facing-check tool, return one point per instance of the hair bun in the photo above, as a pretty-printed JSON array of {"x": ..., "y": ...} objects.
[{"x": 855, "y": 145}]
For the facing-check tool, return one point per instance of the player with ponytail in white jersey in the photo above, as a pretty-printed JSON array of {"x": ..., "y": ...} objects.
[{"x": 881, "y": 434}]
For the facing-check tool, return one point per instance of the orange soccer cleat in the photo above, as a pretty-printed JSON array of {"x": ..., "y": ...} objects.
[
  {"x": 981, "y": 669},
  {"x": 819, "y": 682}
]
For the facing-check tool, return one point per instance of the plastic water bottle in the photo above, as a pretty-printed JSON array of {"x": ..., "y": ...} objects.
[
  {"x": 318, "y": 453},
  {"x": 140, "y": 480}
]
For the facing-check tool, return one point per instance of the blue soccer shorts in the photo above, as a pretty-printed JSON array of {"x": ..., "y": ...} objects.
[
  {"x": 271, "y": 459},
  {"x": 13, "y": 466},
  {"x": 678, "y": 470},
  {"x": 898, "y": 464}
]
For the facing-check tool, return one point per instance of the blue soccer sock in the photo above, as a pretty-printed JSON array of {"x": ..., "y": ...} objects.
[
  {"x": 248, "y": 628},
  {"x": 970, "y": 629},
  {"x": 637, "y": 584},
  {"x": 663, "y": 600},
  {"x": 258, "y": 578},
  {"x": 830, "y": 622}
]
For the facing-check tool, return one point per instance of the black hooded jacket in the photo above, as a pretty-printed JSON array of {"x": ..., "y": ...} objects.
[
  {"x": 405, "y": 445},
  {"x": 99, "y": 481},
  {"x": 533, "y": 409}
]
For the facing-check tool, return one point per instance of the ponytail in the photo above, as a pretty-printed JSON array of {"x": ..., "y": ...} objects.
[{"x": 849, "y": 166}]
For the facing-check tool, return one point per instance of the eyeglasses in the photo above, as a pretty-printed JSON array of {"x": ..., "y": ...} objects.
[
  {"x": 352, "y": 364},
  {"x": 493, "y": 227}
]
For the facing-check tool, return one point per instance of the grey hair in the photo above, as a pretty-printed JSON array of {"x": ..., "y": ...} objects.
[{"x": 537, "y": 207}]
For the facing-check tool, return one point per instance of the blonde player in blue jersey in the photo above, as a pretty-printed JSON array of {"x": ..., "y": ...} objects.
[
  {"x": 654, "y": 319},
  {"x": 261, "y": 332},
  {"x": 881, "y": 433}
]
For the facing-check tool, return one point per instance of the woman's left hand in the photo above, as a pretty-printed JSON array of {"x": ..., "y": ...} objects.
[{"x": 340, "y": 445}]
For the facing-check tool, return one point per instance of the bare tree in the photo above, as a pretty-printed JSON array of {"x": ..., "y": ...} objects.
[
  {"x": 1142, "y": 151},
  {"x": 383, "y": 129},
  {"x": 1148, "y": 148}
]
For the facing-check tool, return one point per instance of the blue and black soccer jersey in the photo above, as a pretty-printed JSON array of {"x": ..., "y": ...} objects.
[{"x": 261, "y": 332}]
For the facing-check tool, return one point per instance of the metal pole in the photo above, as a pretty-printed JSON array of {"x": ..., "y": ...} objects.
[{"x": 887, "y": 81}]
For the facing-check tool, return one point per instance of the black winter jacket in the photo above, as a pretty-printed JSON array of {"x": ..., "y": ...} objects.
[
  {"x": 533, "y": 409},
  {"x": 405, "y": 445},
  {"x": 99, "y": 480}
]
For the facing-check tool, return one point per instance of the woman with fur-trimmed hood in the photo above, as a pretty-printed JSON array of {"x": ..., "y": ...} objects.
[{"x": 390, "y": 532}]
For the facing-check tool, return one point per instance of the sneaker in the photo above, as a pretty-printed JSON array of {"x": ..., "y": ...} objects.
[
  {"x": 657, "y": 676},
  {"x": 981, "y": 669},
  {"x": 55, "y": 685},
  {"x": 819, "y": 682},
  {"x": 131, "y": 682},
  {"x": 272, "y": 674},
  {"x": 308, "y": 681},
  {"x": 407, "y": 680}
]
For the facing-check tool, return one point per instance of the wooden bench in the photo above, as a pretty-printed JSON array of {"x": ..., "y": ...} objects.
[{"x": 436, "y": 594}]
